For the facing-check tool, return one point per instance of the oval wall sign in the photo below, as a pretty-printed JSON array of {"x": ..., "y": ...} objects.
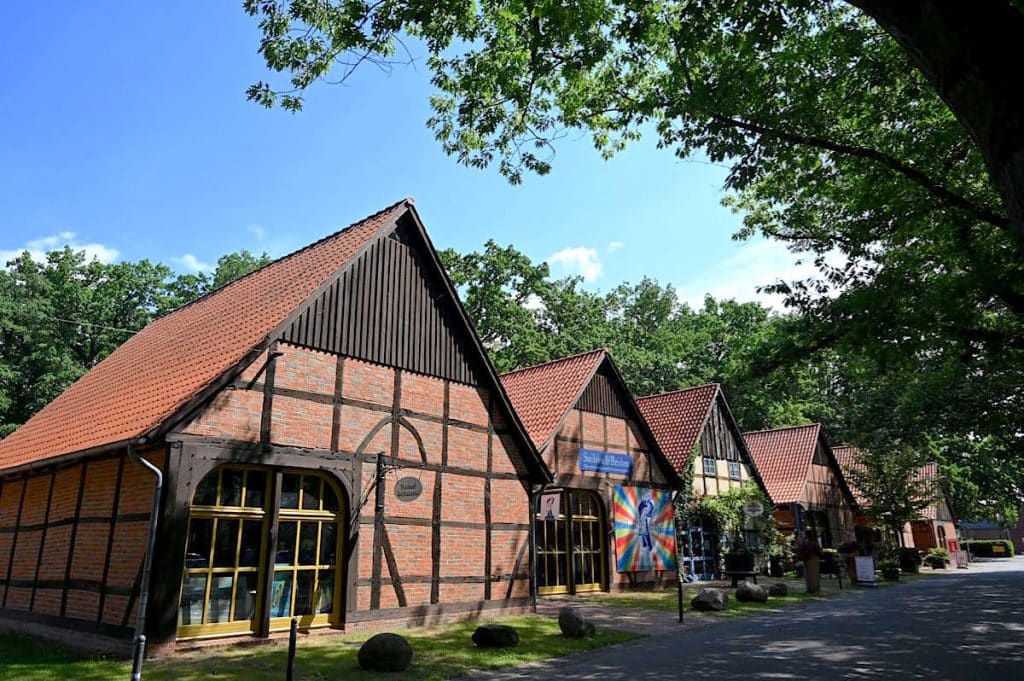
[{"x": 408, "y": 488}]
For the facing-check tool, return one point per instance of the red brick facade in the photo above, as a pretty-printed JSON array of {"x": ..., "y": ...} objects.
[
  {"x": 72, "y": 541},
  {"x": 448, "y": 438}
]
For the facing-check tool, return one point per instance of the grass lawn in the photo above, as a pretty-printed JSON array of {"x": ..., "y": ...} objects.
[
  {"x": 667, "y": 601},
  {"x": 440, "y": 653}
]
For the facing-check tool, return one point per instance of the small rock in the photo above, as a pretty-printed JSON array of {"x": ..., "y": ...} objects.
[
  {"x": 710, "y": 599},
  {"x": 385, "y": 653},
  {"x": 495, "y": 636},
  {"x": 751, "y": 593},
  {"x": 779, "y": 589},
  {"x": 573, "y": 624}
]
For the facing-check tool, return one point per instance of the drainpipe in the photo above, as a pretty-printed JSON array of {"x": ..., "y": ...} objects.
[
  {"x": 534, "y": 491},
  {"x": 139, "y": 643}
]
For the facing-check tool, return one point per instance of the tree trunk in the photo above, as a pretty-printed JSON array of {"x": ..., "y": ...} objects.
[{"x": 971, "y": 53}]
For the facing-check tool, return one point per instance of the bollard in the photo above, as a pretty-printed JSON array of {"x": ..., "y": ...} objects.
[{"x": 293, "y": 637}]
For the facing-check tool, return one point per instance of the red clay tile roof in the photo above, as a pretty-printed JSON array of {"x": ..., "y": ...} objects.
[
  {"x": 677, "y": 419},
  {"x": 783, "y": 457},
  {"x": 543, "y": 394},
  {"x": 155, "y": 372},
  {"x": 847, "y": 456}
]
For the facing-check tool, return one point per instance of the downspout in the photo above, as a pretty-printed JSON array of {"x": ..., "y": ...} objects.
[
  {"x": 534, "y": 491},
  {"x": 139, "y": 642}
]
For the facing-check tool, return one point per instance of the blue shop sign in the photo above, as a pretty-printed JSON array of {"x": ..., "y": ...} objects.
[{"x": 599, "y": 461}]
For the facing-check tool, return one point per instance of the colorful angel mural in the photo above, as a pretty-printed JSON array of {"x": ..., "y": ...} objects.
[{"x": 645, "y": 536}]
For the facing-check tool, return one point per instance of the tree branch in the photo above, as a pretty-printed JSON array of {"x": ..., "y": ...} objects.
[{"x": 919, "y": 178}]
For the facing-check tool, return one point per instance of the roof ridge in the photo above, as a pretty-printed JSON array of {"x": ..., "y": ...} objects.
[
  {"x": 406, "y": 201},
  {"x": 556, "y": 361},
  {"x": 772, "y": 430},
  {"x": 680, "y": 390}
]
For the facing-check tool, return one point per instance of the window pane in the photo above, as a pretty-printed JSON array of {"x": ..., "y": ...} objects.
[
  {"x": 255, "y": 488},
  {"x": 311, "y": 493},
  {"x": 307, "y": 543},
  {"x": 329, "y": 544},
  {"x": 245, "y": 596},
  {"x": 286, "y": 543},
  {"x": 227, "y": 539},
  {"x": 252, "y": 536},
  {"x": 231, "y": 488},
  {"x": 289, "y": 491},
  {"x": 220, "y": 598},
  {"x": 304, "y": 593},
  {"x": 330, "y": 499},
  {"x": 193, "y": 591},
  {"x": 200, "y": 537},
  {"x": 206, "y": 493},
  {"x": 325, "y": 591},
  {"x": 281, "y": 595}
]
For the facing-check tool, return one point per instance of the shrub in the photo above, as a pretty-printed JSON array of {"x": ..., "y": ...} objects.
[{"x": 984, "y": 547}]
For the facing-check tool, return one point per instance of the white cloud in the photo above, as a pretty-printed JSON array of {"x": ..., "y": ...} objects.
[
  {"x": 755, "y": 263},
  {"x": 192, "y": 263},
  {"x": 38, "y": 248},
  {"x": 615, "y": 246},
  {"x": 534, "y": 303},
  {"x": 258, "y": 231},
  {"x": 579, "y": 260}
]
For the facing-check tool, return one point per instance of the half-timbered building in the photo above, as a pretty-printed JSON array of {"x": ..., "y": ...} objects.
[
  {"x": 333, "y": 446},
  {"x": 612, "y": 483},
  {"x": 697, "y": 432},
  {"x": 805, "y": 483}
]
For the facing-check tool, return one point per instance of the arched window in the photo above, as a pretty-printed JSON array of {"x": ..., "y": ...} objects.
[{"x": 226, "y": 557}]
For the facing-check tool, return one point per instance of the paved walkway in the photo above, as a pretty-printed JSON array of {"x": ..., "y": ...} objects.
[{"x": 961, "y": 625}]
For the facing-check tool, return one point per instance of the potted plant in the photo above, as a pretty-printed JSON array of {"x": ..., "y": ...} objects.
[
  {"x": 808, "y": 552},
  {"x": 890, "y": 569},
  {"x": 849, "y": 551},
  {"x": 937, "y": 558}
]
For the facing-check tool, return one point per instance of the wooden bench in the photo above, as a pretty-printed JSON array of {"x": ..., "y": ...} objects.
[{"x": 735, "y": 575}]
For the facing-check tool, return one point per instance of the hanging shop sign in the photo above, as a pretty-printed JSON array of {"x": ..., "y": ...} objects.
[
  {"x": 408, "y": 488},
  {"x": 753, "y": 508},
  {"x": 600, "y": 461}
]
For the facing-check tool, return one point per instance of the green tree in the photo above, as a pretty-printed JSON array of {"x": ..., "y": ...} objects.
[
  {"x": 891, "y": 483},
  {"x": 62, "y": 316},
  {"x": 234, "y": 265},
  {"x": 884, "y": 144}
]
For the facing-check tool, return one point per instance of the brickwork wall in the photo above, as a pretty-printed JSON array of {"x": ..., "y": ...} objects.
[
  {"x": 461, "y": 459},
  {"x": 72, "y": 539}
]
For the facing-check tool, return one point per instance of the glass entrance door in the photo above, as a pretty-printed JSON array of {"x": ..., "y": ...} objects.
[
  {"x": 699, "y": 553},
  {"x": 571, "y": 544}
]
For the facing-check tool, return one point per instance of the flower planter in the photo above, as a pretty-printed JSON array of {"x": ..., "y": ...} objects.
[{"x": 891, "y": 574}]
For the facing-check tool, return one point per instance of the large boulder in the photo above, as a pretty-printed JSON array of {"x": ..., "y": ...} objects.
[
  {"x": 385, "y": 653},
  {"x": 573, "y": 624},
  {"x": 751, "y": 593},
  {"x": 710, "y": 599},
  {"x": 779, "y": 589},
  {"x": 495, "y": 636}
]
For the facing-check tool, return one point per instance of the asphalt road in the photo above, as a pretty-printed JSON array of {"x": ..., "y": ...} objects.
[{"x": 965, "y": 625}]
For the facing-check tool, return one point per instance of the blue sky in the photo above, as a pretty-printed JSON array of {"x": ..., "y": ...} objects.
[{"x": 124, "y": 129}]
